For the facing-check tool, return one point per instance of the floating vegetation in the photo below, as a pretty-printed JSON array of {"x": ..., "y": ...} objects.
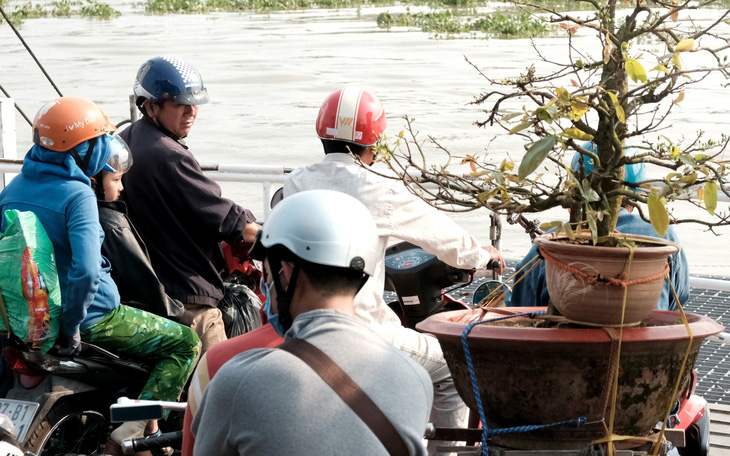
[
  {"x": 204, "y": 6},
  {"x": 63, "y": 8},
  {"x": 444, "y": 22}
]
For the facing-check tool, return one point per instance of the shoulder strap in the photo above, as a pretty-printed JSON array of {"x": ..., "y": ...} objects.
[{"x": 350, "y": 392}]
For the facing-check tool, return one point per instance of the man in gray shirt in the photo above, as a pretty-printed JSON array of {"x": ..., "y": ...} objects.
[{"x": 319, "y": 247}]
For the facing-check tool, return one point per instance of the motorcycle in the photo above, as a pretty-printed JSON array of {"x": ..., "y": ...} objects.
[
  {"x": 418, "y": 279},
  {"x": 72, "y": 396}
]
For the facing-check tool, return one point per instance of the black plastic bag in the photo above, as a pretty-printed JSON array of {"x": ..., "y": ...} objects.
[{"x": 241, "y": 309}]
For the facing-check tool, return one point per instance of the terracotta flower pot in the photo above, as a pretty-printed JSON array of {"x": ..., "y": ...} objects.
[
  {"x": 578, "y": 278},
  {"x": 530, "y": 375}
]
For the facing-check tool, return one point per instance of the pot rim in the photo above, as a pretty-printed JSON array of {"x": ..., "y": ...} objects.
[
  {"x": 546, "y": 241},
  {"x": 441, "y": 324}
]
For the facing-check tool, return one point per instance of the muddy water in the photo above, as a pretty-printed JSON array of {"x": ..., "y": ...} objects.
[{"x": 268, "y": 73}]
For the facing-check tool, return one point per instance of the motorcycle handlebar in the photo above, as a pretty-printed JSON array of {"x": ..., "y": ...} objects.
[{"x": 168, "y": 439}]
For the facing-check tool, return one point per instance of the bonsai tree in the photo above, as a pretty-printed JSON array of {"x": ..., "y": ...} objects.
[{"x": 615, "y": 92}]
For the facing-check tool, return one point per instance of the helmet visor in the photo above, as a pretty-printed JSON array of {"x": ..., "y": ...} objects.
[{"x": 120, "y": 159}]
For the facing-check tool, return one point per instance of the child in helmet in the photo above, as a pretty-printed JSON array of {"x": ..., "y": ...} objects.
[
  {"x": 132, "y": 270},
  {"x": 71, "y": 144}
]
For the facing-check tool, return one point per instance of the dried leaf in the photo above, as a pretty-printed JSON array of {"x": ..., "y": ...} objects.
[
  {"x": 478, "y": 174},
  {"x": 574, "y": 29},
  {"x": 535, "y": 155},
  {"x": 607, "y": 51},
  {"x": 679, "y": 98},
  {"x": 563, "y": 26},
  {"x": 701, "y": 194},
  {"x": 675, "y": 14},
  {"x": 574, "y": 82},
  {"x": 685, "y": 45}
]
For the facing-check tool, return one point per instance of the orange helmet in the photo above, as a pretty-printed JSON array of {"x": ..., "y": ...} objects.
[
  {"x": 353, "y": 115},
  {"x": 68, "y": 121}
]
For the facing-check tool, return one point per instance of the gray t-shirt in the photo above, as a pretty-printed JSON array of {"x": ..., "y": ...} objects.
[{"x": 268, "y": 402}]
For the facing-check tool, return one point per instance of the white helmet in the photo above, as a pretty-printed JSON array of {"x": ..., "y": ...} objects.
[{"x": 323, "y": 227}]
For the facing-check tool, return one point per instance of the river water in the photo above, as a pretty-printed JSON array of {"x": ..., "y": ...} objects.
[{"x": 268, "y": 73}]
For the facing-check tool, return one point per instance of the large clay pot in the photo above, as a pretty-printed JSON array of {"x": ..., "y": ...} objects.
[
  {"x": 600, "y": 302},
  {"x": 530, "y": 375}
]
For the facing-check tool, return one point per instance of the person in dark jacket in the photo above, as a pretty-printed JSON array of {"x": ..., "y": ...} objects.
[
  {"x": 131, "y": 266},
  {"x": 179, "y": 212}
]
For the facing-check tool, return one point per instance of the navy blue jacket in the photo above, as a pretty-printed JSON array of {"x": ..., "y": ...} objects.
[{"x": 532, "y": 290}]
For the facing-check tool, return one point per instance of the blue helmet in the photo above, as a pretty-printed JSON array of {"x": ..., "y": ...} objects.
[
  {"x": 169, "y": 78},
  {"x": 635, "y": 174}
]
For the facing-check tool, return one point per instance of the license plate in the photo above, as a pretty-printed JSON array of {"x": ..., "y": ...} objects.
[{"x": 21, "y": 413}]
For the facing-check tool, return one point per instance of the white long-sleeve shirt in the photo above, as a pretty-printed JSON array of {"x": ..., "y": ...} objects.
[{"x": 397, "y": 213}]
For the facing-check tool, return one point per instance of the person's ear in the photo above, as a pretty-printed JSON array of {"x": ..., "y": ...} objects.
[{"x": 287, "y": 269}]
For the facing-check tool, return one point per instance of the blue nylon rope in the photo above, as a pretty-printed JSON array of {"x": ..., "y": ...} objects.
[{"x": 477, "y": 397}]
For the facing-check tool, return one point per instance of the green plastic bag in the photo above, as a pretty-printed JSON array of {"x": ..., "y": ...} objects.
[{"x": 29, "y": 281}]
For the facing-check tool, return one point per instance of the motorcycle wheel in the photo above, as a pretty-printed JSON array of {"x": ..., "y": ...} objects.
[{"x": 71, "y": 427}]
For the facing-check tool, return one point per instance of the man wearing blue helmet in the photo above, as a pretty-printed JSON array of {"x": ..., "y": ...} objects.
[
  {"x": 180, "y": 213},
  {"x": 532, "y": 289}
]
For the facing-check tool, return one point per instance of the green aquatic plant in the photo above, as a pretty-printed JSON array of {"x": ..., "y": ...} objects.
[
  {"x": 61, "y": 8},
  {"x": 444, "y": 22},
  {"x": 98, "y": 10}
]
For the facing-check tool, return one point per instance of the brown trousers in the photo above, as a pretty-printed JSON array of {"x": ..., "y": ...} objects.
[{"x": 207, "y": 324}]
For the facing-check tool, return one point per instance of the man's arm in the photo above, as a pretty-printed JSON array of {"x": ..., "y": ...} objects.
[
  {"x": 210, "y": 214},
  {"x": 413, "y": 220}
]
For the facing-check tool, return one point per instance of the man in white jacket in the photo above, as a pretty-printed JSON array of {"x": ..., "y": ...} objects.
[{"x": 349, "y": 123}]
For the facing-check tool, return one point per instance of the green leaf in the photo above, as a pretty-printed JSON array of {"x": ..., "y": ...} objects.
[
  {"x": 547, "y": 113},
  {"x": 617, "y": 106},
  {"x": 688, "y": 179},
  {"x": 588, "y": 193},
  {"x": 658, "y": 214},
  {"x": 507, "y": 117},
  {"x": 635, "y": 71},
  {"x": 685, "y": 45},
  {"x": 711, "y": 197},
  {"x": 550, "y": 225},
  {"x": 594, "y": 229},
  {"x": 535, "y": 155},
  {"x": 575, "y": 133},
  {"x": 676, "y": 61},
  {"x": 661, "y": 68},
  {"x": 520, "y": 127}
]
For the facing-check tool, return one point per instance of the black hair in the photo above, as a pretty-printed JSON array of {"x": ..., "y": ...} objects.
[
  {"x": 97, "y": 184},
  {"x": 329, "y": 280},
  {"x": 337, "y": 146}
]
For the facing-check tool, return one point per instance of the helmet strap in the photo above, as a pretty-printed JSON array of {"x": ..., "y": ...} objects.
[
  {"x": 156, "y": 122},
  {"x": 284, "y": 297},
  {"x": 84, "y": 163}
]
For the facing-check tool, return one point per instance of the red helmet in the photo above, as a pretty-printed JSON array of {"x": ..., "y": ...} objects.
[{"x": 353, "y": 115}]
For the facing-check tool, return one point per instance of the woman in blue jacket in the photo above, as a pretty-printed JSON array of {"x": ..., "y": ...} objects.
[{"x": 71, "y": 144}]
